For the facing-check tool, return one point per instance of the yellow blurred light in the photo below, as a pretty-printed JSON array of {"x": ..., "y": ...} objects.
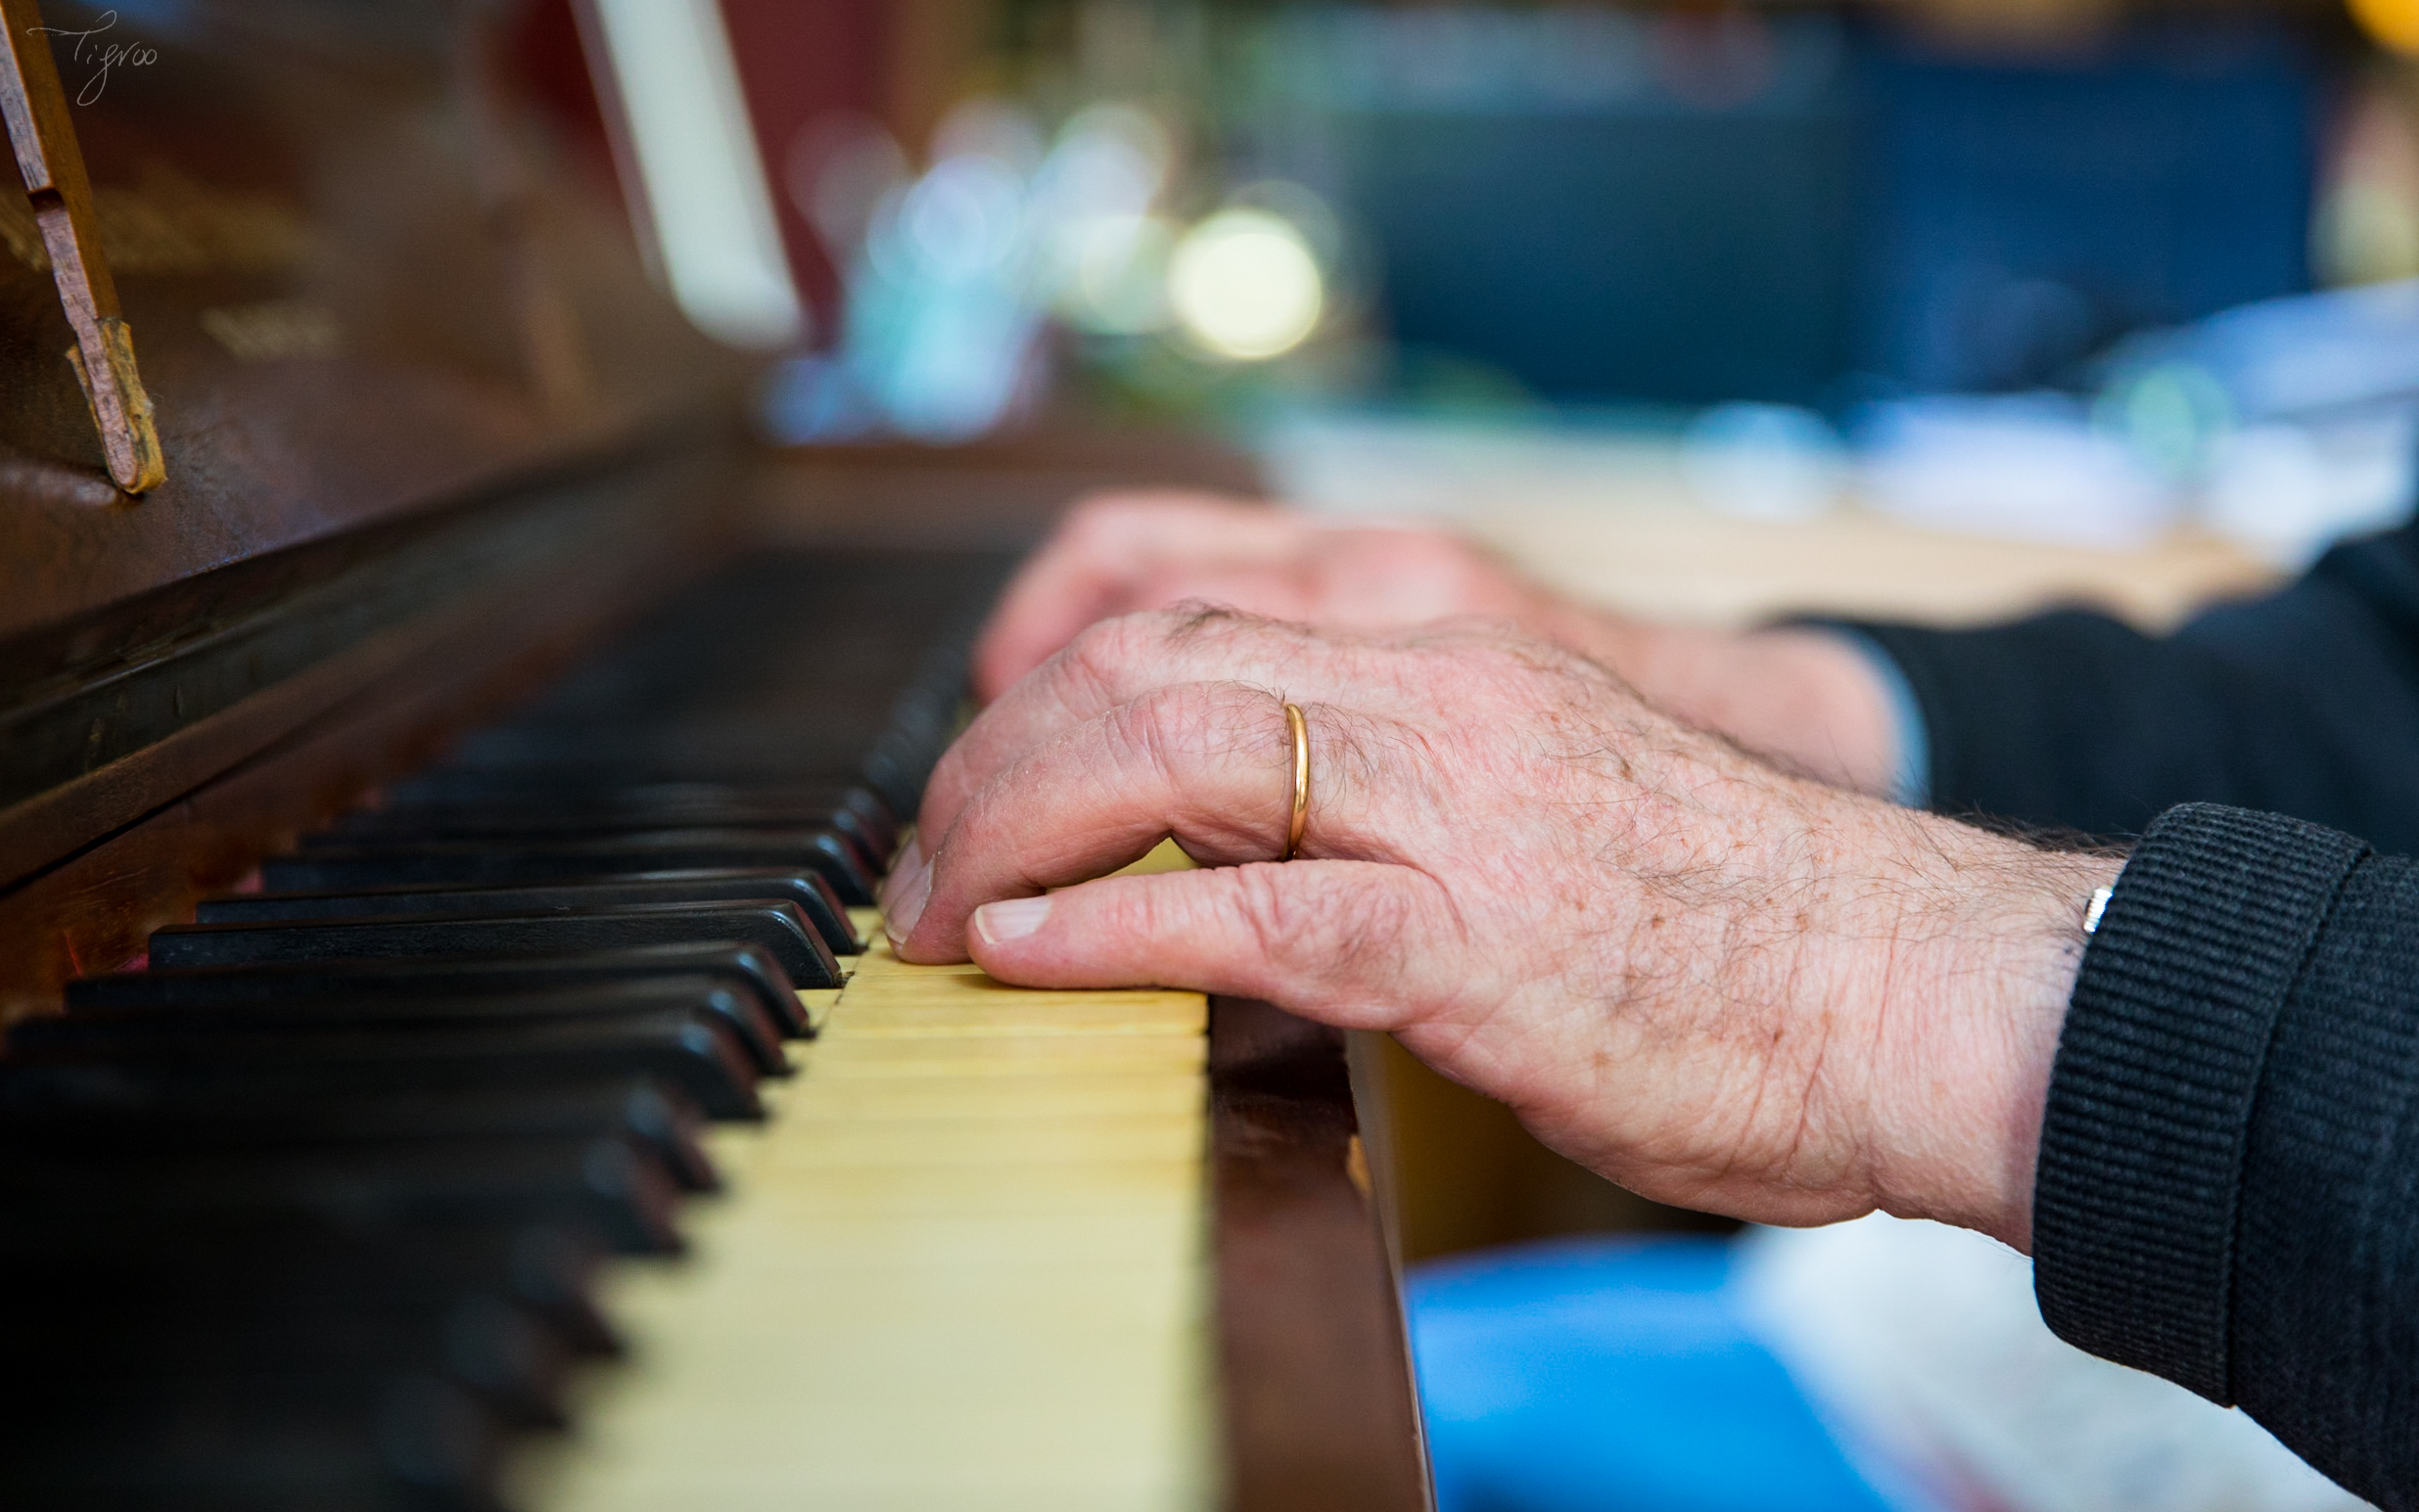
[
  {"x": 2394, "y": 24},
  {"x": 1244, "y": 283}
]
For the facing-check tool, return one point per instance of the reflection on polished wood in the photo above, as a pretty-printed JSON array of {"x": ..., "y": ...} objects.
[{"x": 1322, "y": 1413}]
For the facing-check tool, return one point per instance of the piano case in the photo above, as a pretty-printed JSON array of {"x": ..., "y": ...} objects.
[{"x": 344, "y": 433}]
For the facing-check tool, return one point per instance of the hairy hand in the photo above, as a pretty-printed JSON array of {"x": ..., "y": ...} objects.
[
  {"x": 1719, "y": 985},
  {"x": 1803, "y": 697}
]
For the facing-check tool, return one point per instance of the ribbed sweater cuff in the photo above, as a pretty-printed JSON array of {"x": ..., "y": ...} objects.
[{"x": 2150, "y": 1101}]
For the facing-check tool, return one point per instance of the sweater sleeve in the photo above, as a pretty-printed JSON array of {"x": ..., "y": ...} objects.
[
  {"x": 2228, "y": 1187},
  {"x": 2305, "y": 703}
]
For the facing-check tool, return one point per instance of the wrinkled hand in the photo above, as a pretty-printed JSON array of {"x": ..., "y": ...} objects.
[
  {"x": 1716, "y": 984},
  {"x": 1802, "y": 698},
  {"x": 1117, "y": 553}
]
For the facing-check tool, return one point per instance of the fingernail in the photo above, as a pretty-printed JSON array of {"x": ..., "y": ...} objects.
[
  {"x": 907, "y": 901},
  {"x": 1013, "y": 919},
  {"x": 910, "y": 857}
]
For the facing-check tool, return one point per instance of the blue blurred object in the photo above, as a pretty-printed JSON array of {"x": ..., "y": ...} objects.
[
  {"x": 1603, "y": 1374},
  {"x": 2344, "y": 352},
  {"x": 1604, "y": 203},
  {"x": 2023, "y": 215},
  {"x": 1696, "y": 207}
]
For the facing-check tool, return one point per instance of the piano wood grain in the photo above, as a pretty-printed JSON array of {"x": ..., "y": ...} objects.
[{"x": 1319, "y": 1409}]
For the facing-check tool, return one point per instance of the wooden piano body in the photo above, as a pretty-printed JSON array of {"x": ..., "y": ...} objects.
[{"x": 430, "y": 438}]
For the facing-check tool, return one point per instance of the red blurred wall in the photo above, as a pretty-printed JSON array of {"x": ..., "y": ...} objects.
[
  {"x": 803, "y": 62},
  {"x": 802, "y": 65}
]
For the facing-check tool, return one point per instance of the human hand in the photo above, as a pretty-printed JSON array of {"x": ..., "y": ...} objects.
[
  {"x": 1116, "y": 553},
  {"x": 1803, "y": 697},
  {"x": 1716, "y": 984}
]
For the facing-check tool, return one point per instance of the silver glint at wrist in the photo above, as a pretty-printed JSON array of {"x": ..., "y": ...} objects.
[{"x": 2099, "y": 905}]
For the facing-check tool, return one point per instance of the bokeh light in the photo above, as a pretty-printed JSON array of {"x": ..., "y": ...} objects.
[
  {"x": 1105, "y": 253},
  {"x": 1245, "y": 284},
  {"x": 2170, "y": 414},
  {"x": 2392, "y": 23},
  {"x": 1115, "y": 276},
  {"x": 1764, "y": 461}
]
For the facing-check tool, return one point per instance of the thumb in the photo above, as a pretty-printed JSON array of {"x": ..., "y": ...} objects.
[{"x": 1334, "y": 941}]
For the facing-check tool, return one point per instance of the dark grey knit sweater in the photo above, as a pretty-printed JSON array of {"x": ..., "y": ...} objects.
[
  {"x": 2228, "y": 1186},
  {"x": 2228, "y": 1191}
]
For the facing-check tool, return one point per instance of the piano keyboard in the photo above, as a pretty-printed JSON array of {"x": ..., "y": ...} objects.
[
  {"x": 354, "y": 1196},
  {"x": 960, "y": 1267}
]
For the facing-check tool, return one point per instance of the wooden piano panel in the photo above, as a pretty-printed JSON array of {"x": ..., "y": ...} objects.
[
  {"x": 346, "y": 255},
  {"x": 1004, "y": 1249},
  {"x": 427, "y": 429},
  {"x": 426, "y": 422}
]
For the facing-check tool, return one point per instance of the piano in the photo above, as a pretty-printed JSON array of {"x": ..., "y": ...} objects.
[{"x": 451, "y": 1058}]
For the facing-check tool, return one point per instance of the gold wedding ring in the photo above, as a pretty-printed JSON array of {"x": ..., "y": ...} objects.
[{"x": 1299, "y": 729}]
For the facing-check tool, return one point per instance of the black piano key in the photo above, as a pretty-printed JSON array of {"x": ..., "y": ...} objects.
[
  {"x": 74, "y": 1107},
  {"x": 405, "y": 1443},
  {"x": 177, "y": 1333},
  {"x": 747, "y": 968},
  {"x": 900, "y": 774},
  {"x": 890, "y": 750},
  {"x": 448, "y": 789},
  {"x": 332, "y": 862},
  {"x": 399, "y": 833},
  {"x": 150, "y": 1323},
  {"x": 491, "y": 788},
  {"x": 775, "y": 926},
  {"x": 893, "y": 772},
  {"x": 546, "y": 1269},
  {"x": 705, "y": 1001},
  {"x": 542, "y": 817},
  {"x": 765, "y": 743},
  {"x": 690, "y": 1051},
  {"x": 327, "y": 1315},
  {"x": 608, "y": 1186},
  {"x": 808, "y": 891}
]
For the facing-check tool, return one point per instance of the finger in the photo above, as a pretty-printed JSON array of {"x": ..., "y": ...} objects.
[
  {"x": 1209, "y": 764},
  {"x": 1098, "y": 562},
  {"x": 1338, "y": 577},
  {"x": 1122, "y": 659},
  {"x": 1111, "y": 664},
  {"x": 1344, "y": 942},
  {"x": 1378, "y": 575}
]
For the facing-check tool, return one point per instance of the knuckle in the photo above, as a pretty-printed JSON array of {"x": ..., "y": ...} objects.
[
  {"x": 1170, "y": 725},
  {"x": 1325, "y": 933},
  {"x": 1267, "y": 914},
  {"x": 1102, "y": 655},
  {"x": 1140, "y": 730},
  {"x": 1194, "y": 620}
]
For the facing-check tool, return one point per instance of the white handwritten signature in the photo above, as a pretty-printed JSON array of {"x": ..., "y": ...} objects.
[{"x": 104, "y": 54}]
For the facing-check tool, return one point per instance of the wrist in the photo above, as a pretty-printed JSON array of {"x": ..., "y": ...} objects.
[
  {"x": 1804, "y": 698},
  {"x": 1982, "y": 967}
]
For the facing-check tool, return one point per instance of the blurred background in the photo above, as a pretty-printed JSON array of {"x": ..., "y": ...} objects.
[
  {"x": 2041, "y": 269},
  {"x": 1943, "y": 309}
]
